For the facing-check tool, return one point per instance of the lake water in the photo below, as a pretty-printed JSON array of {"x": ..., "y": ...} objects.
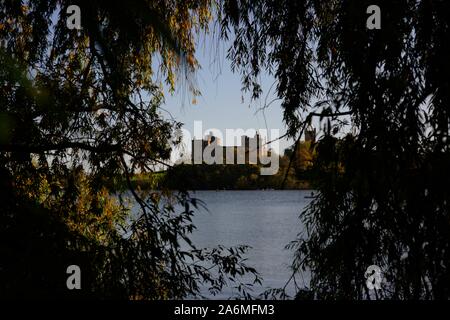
[{"x": 264, "y": 220}]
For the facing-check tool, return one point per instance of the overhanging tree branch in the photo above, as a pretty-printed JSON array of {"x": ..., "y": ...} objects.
[{"x": 61, "y": 146}]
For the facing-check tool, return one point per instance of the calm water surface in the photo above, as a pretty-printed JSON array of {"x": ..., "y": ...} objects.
[{"x": 264, "y": 220}]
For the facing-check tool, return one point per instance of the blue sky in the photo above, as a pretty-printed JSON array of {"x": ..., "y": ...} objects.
[{"x": 222, "y": 104}]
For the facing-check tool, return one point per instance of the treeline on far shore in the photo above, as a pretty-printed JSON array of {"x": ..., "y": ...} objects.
[
  {"x": 229, "y": 177},
  {"x": 293, "y": 173},
  {"x": 214, "y": 177}
]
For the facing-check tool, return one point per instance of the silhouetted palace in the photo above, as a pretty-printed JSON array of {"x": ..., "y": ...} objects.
[{"x": 249, "y": 152}]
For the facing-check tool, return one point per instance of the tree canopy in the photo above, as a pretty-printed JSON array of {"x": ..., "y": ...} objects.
[
  {"x": 382, "y": 195},
  {"x": 79, "y": 108}
]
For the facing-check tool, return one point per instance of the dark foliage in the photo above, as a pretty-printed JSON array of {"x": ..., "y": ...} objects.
[
  {"x": 230, "y": 177},
  {"x": 79, "y": 108},
  {"x": 383, "y": 189}
]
